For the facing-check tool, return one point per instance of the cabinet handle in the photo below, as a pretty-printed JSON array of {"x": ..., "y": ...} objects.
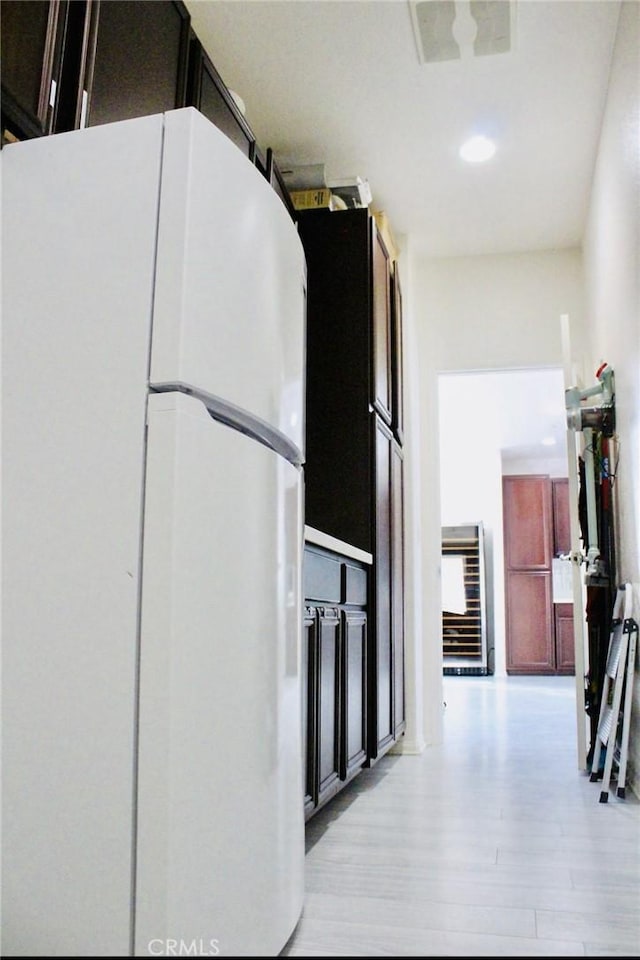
[
  {"x": 83, "y": 110},
  {"x": 329, "y": 613}
]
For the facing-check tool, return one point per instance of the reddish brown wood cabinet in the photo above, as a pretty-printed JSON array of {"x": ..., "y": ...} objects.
[
  {"x": 565, "y": 644},
  {"x": 527, "y": 533},
  {"x": 529, "y": 622},
  {"x": 561, "y": 526},
  {"x": 536, "y": 528}
]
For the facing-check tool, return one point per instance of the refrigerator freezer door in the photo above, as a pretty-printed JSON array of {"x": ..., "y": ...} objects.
[
  {"x": 220, "y": 823},
  {"x": 229, "y": 316},
  {"x": 77, "y": 280}
]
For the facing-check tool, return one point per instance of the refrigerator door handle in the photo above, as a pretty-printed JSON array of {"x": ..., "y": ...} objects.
[{"x": 238, "y": 419}]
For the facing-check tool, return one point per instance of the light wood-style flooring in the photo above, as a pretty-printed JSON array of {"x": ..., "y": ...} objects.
[{"x": 493, "y": 844}]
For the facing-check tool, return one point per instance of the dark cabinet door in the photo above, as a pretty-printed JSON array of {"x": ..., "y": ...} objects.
[
  {"x": 382, "y": 661},
  {"x": 207, "y": 91},
  {"x": 328, "y": 693},
  {"x": 338, "y": 469},
  {"x": 309, "y": 706},
  {"x": 140, "y": 64},
  {"x": 397, "y": 588},
  {"x": 334, "y": 671},
  {"x": 78, "y": 49},
  {"x": 381, "y": 325},
  {"x": 274, "y": 175},
  {"x": 354, "y": 686},
  {"x": 30, "y": 32},
  {"x": 397, "y": 354}
]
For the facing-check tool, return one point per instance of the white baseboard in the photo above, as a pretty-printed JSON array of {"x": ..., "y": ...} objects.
[{"x": 408, "y": 747}]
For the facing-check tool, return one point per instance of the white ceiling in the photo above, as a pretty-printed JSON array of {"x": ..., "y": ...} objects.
[
  {"x": 341, "y": 83},
  {"x": 511, "y": 412}
]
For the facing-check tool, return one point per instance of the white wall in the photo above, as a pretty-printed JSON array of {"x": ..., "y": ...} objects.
[
  {"x": 420, "y": 728},
  {"x": 423, "y": 651},
  {"x": 500, "y": 311},
  {"x": 553, "y": 466},
  {"x": 480, "y": 313},
  {"x": 612, "y": 271}
]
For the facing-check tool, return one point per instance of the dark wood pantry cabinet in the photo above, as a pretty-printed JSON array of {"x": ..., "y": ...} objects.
[{"x": 354, "y": 455}]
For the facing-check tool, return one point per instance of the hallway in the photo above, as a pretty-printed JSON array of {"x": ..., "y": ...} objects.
[{"x": 493, "y": 844}]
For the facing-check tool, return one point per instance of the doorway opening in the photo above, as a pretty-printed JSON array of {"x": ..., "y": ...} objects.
[{"x": 493, "y": 424}]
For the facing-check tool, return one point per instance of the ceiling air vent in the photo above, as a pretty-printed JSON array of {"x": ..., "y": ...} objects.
[{"x": 450, "y": 30}]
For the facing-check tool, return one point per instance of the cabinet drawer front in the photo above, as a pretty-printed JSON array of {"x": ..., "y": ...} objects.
[
  {"x": 355, "y": 584},
  {"x": 322, "y": 577}
]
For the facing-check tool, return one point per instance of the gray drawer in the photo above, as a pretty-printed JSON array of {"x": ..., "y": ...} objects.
[
  {"x": 322, "y": 577},
  {"x": 355, "y": 584},
  {"x": 330, "y": 578}
]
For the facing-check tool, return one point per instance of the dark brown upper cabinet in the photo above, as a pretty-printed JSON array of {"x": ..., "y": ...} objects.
[
  {"x": 76, "y": 63},
  {"x": 73, "y": 63},
  {"x": 140, "y": 61},
  {"x": 207, "y": 91},
  {"x": 275, "y": 178},
  {"x": 397, "y": 353},
  {"x": 348, "y": 368},
  {"x": 381, "y": 325},
  {"x": 30, "y": 58}
]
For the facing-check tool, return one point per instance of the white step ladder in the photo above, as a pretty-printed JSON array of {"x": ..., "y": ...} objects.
[{"x": 612, "y": 722}]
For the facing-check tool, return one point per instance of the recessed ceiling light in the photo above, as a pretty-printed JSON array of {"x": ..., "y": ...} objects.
[
  {"x": 548, "y": 442},
  {"x": 477, "y": 149}
]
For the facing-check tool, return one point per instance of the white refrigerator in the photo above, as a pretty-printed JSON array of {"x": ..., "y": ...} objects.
[{"x": 153, "y": 338}]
